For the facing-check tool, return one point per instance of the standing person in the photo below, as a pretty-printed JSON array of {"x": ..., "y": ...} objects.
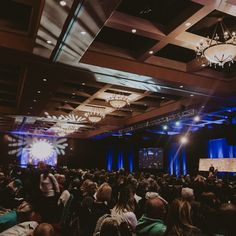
[
  {"x": 211, "y": 170},
  {"x": 50, "y": 190}
]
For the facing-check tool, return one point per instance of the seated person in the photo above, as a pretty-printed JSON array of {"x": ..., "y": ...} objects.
[
  {"x": 21, "y": 214},
  {"x": 151, "y": 223},
  {"x": 11, "y": 194},
  {"x": 44, "y": 230},
  {"x": 22, "y": 229}
]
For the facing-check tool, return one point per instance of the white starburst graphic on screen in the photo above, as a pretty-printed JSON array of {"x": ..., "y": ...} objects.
[{"x": 36, "y": 146}]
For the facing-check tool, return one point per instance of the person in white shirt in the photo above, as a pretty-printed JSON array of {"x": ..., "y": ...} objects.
[{"x": 50, "y": 191}]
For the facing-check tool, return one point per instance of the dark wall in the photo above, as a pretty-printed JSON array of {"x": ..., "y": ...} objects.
[{"x": 92, "y": 153}]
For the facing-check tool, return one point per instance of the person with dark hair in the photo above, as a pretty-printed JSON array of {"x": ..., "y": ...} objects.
[
  {"x": 110, "y": 227},
  {"x": 44, "y": 230},
  {"x": 100, "y": 205},
  {"x": 226, "y": 219},
  {"x": 179, "y": 221},
  {"x": 151, "y": 223},
  {"x": 123, "y": 211},
  {"x": 50, "y": 189}
]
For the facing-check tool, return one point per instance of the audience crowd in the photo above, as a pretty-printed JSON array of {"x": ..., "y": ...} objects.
[{"x": 46, "y": 201}]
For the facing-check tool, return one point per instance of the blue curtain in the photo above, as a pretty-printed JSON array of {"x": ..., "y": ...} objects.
[
  {"x": 131, "y": 159},
  {"x": 177, "y": 160},
  {"x": 109, "y": 158},
  {"x": 118, "y": 157},
  {"x": 219, "y": 148}
]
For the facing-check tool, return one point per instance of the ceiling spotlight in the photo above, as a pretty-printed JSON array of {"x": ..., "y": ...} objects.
[
  {"x": 45, "y": 80},
  {"x": 177, "y": 123},
  {"x": 49, "y": 42},
  {"x": 162, "y": 97},
  {"x": 31, "y": 108},
  {"x": 191, "y": 95},
  {"x": 181, "y": 86},
  {"x": 38, "y": 91},
  {"x": 188, "y": 24},
  {"x": 133, "y": 31},
  {"x": 83, "y": 83},
  {"x": 63, "y": 3},
  {"x": 34, "y": 100},
  {"x": 151, "y": 52},
  {"x": 165, "y": 127},
  {"x": 202, "y": 106},
  {"x": 184, "y": 140},
  {"x": 73, "y": 94},
  {"x": 196, "y": 118},
  {"x": 83, "y": 32}
]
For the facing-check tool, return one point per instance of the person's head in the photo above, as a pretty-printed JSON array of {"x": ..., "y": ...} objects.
[
  {"x": 89, "y": 187},
  {"x": 179, "y": 216},
  {"x": 110, "y": 227},
  {"x": 125, "y": 199},
  {"x": 209, "y": 199},
  {"x": 227, "y": 216},
  {"x": 155, "y": 208},
  {"x": 187, "y": 194},
  {"x": 24, "y": 211},
  {"x": 104, "y": 193},
  {"x": 44, "y": 229}
]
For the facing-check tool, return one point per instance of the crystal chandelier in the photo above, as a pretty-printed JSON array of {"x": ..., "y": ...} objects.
[
  {"x": 118, "y": 101},
  {"x": 220, "y": 48},
  {"x": 96, "y": 115}
]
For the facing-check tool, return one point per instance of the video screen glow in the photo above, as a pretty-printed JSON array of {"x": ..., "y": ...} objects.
[
  {"x": 151, "y": 158},
  {"x": 26, "y": 158}
]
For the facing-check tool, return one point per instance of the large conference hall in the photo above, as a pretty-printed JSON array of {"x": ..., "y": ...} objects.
[{"x": 118, "y": 118}]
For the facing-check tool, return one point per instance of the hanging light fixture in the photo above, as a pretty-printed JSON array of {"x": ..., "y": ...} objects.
[
  {"x": 96, "y": 115},
  {"x": 220, "y": 48},
  {"x": 118, "y": 101}
]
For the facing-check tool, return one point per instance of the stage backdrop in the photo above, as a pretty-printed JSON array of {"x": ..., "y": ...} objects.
[{"x": 221, "y": 164}]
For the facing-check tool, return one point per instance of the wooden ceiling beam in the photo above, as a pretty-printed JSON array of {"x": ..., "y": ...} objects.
[
  {"x": 125, "y": 22},
  {"x": 160, "y": 73},
  {"x": 204, "y": 11}
]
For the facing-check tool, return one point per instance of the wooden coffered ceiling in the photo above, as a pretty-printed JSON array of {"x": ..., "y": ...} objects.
[{"x": 70, "y": 59}]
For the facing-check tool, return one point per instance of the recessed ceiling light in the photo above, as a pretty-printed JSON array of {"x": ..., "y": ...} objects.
[
  {"x": 162, "y": 97},
  {"x": 188, "y": 24},
  {"x": 38, "y": 91},
  {"x": 133, "y": 31},
  {"x": 184, "y": 140},
  {"x": 34, "y": 100},
  {"x": 83, "y": 83},
  {"x": 203, "y": 106},
  {"x": 28, "y": 113},
  {"x": 191, "y": 95},
  {"x": 83, "y": 32},
  {"x": 45, "y": 80},
  {"x": 65, "y": 101},
  {"x": 196, "y": 118},
  {"x": 49, "y": 42},
  {"x": 63, "y": 3},
  {"x": 31, "y": 108},
  {"x": 151, "y": 52},
  {"x": 181, "y": 86},
  {"x": 165, "y": 127},
  {"x": 73, "y": 94}
]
